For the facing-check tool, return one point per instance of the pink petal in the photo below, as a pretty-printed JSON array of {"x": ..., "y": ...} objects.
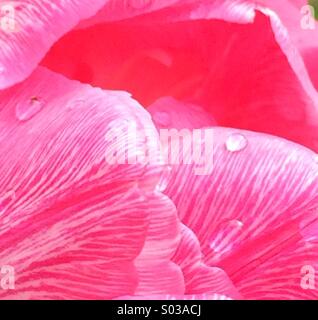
[
  {"x": 157, "y": 275},
  {"x": 200, "y": 279},
  {"x": 254, "y": 213},
  {"x": 123, "y": 9},
  {"x": 167, "y": 111},
  {"x": 116, "y": 10},
  {"x": 168, "y": 53},
  {"x": 73, "y": 225},
  {"x": 34, "y": 27},
  {"x": 302, "y": 29},
  {"x": 310, "y": 55}
]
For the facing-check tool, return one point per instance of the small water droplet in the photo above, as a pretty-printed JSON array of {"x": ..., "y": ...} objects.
[
  {"x": 236, "y": 142},
  {"x": 162, "y": 118},
  {"x": 164, "y": 179},
  {"x": 6, "y": 199},
  {"x": 309, "y": 228},
  {"x": 226, "y": 237},
  {"x": 28, "y": 109}
]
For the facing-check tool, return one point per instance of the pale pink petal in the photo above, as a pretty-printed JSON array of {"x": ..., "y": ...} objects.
[
  {"x": 156, "y": 278},
  {"x": 156, "y": 274},
  {"x": 73, "y": 225},
  {"x": 167, "y": 111},
  {"x": 69, "y": 251},
  {"x": 199, "y": 278},
  {"x": 255, "y": 213},
  {"x": 172, "y": 10},
  {"x": 122, "y": 9},
  {"x": 29, "y": 28}
]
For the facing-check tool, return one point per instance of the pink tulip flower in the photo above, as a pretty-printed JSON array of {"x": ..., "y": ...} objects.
[{"x": 95, "y": 204}]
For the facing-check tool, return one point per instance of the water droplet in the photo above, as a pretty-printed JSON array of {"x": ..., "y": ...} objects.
[
  {"x": 316, "y": 158},
  {"x": 2, "y": 70},
  {"x": 236, "y": 142},
  {"x": 27, "y": 110},
  {"x": 7, "y": 199},
  {"x": 164, "y": 179},
  {"x": 309, "y": 228},
  {"x": 162, "y": 118},
  {"x": 226, "y": 237}
]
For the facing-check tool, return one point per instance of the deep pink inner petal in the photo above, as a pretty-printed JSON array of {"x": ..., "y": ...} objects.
[{"x": 237, "y": 72}]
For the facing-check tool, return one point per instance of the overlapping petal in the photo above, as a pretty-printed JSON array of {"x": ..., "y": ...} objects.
[
  {"x": 167, "y": 110},
  {"x": 299, "y": 18},
  {"x": 29, "y": 28},
  {"x": 73, "y": 225},
  {"x": 199, "y": 278},
  {"x": 255, "y": 214}
]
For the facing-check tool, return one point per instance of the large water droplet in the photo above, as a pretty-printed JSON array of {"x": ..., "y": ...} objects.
[
  {"x": 28, "y": 109},
  {"x": 236, "y": 142},
  {"x": 162, "y": 118},
  {"x": 309, "y": 228},
  {"x": 164, "y": 179},
  {"x": 226, "y": 237}
]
